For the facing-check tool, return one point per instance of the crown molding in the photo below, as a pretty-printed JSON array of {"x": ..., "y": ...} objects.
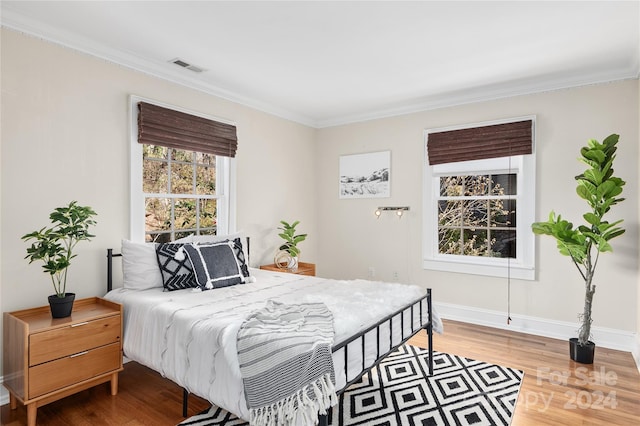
[
  {"x": 485, "y": 94},
  {"x": 37, "y": 29},
  {"x": 20, "y": 23}
]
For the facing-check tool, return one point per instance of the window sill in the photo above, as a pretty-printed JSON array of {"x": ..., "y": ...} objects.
[{"x": 515, "y": 271}]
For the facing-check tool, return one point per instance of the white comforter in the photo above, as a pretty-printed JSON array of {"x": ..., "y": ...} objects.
[{"x": 190, "y": 336}]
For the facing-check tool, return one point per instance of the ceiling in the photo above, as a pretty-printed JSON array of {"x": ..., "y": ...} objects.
[{"x": 329, "y": 63}]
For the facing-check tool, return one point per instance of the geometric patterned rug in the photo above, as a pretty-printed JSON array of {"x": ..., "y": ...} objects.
[{"x": 462, "y": 391}]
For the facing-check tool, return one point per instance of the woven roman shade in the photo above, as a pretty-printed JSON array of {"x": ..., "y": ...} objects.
[
  {"x": 174, "y": 129},
  {"x": 479, "y": 143}
]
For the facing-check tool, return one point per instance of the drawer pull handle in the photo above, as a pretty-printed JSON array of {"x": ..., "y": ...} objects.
[
  {"x": 79, "y": 324},
  {"x": 78, "y": 354}
]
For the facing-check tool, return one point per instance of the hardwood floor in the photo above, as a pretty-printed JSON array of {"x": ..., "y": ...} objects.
[
  {"x": 555, "y": 390},
  {"x": 144, "y": 398}
]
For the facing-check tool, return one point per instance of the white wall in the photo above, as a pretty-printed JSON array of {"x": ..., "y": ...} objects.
[
  {"x": 65, "y": 136},
  {"x": 566, "y": 119},
  {"x": 636, "y": 352}
]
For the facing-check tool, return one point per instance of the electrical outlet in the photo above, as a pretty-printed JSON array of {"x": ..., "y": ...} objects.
[
  {"x": 372, "y": 272},
  {"x": 395, "y": 276}
]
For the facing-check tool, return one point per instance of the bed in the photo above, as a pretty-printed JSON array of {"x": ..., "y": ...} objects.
[{"x": 189, "y": 336}]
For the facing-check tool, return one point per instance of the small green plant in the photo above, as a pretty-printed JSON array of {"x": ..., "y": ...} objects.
[
  {"x": 288, "y": 234},
  {"x": 54, "y": 245},
  {"x": 600, "y": 189}
]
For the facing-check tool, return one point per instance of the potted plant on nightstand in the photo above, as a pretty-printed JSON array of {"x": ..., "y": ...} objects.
[
  {"x": 54, "y": 246},
  {"x": 288, "y": 252},
  {"x": 583, "y": 244}
]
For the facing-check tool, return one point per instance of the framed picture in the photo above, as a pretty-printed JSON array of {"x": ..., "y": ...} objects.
[{"x": 365, "y": 175}]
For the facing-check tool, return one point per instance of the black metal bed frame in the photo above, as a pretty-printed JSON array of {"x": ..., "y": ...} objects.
[{"x": 428, "y": 326}]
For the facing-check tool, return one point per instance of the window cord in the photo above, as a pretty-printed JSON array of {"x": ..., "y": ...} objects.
[{"x": 509, "y": 256}]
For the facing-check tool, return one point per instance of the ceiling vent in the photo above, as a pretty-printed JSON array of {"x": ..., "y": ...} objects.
[{"x": 186, "y": 65}]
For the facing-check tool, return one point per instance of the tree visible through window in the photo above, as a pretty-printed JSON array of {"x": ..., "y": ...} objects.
[
  {"x": 179, "y": 190},
  {"x": 476, "y": 216}
]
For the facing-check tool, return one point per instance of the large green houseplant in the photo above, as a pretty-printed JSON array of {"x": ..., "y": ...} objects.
[
  {"x": 583, "y": 244},
  {"x": 54, "y": 247}
]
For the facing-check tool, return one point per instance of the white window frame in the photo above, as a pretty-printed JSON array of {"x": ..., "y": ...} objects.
[
  {"x": 225, "y": 178},
  {"x": 523, "y": 266}
]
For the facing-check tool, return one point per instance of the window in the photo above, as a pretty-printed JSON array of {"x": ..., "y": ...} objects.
[
  {"x": 478, "y": 212},
  {"x": 476, "y": 215},
  {"x": 177, "y": 192}
]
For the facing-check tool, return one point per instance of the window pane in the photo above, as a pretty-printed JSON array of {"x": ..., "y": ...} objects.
[
  {"x": 476, "y": 185},
  {"x": 152, "y": 151},
  {"x": 474, "y": 213},
  {"x": 179, "y": 235},
  {"x": 450, "y": 213},
  {"x": 158, "y": 214},
  {"x": 155, "y": 177},
  {"x": 503, "y": 213},
  {"x": 205, "y": 180},
  {"x": 449, "y": 241},
  {"x": 182, "y": 155},
  {"x": 504, "y": 243},
  {"x": 208, "y": 216},
  {"x": 205, "y": 159},
  {"x": 181, "y": 178},
  {"x": 475, "y": 243},
  {"x": 506, "y": 184},
  {"x": 185, "y": 214},
  {"x": 158, "y": 237},
  {"x": 451, "y": 186}
]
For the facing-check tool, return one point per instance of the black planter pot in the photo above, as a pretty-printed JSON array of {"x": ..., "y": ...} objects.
[
  {"x": 61, "y": 306},
  {"x": 581, "y": 353}
]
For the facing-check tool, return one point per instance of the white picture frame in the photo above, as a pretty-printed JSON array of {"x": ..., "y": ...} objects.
[{"x": 365, "y": 175}]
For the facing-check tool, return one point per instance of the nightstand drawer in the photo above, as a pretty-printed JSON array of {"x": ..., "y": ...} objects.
[
  {"x": 61, "y": 342},
  {"x": 72, "y": 369}
]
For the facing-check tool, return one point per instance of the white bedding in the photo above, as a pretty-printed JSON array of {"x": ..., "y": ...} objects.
[{"x": 190, "y": 336}]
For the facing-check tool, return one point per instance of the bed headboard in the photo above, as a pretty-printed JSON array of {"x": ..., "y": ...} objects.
[{"x": 111, "y": 255}]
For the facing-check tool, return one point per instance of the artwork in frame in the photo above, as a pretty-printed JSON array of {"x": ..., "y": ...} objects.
[{"x": 365, "y": 175}]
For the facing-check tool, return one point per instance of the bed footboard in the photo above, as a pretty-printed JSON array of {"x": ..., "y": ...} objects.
[
  {"x": 414, "y": 311},
  {"x": 404, "y": 337}
]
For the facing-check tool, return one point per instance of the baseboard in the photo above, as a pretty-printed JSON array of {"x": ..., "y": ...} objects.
[
  {"x": 604, "y": 337},
  {"x": 4, "y": 394},
  {"x": 636, "y": 353}
]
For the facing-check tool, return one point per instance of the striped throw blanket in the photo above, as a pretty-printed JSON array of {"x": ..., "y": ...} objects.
[{"x": 285, "y": 363}]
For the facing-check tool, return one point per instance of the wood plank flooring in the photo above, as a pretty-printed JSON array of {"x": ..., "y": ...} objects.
[{"x": 555, "y": 390}]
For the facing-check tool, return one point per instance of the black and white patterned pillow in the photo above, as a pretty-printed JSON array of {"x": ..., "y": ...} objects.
[
  {"x": 215, "y": 265},
  {"x": 238, "y": 250},
  {"x": 177, "y": 272}
]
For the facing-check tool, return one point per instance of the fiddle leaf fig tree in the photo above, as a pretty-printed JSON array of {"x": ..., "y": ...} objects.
[
  {"x": 54, "y": 245},
  {"x": 584, "y": 243}
]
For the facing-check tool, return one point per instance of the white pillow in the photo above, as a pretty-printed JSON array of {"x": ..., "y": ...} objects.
[{"x": 140, "y": 266}]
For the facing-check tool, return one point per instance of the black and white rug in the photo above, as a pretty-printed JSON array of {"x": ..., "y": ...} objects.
[{"x": 462, "y": 391}]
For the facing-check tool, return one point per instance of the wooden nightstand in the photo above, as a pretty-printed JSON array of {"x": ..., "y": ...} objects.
[
  {"x": 46, "y": 359},
  {"x": 302, "y": 269}
]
